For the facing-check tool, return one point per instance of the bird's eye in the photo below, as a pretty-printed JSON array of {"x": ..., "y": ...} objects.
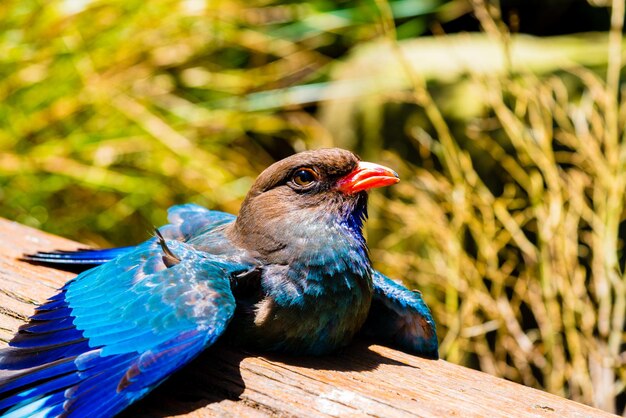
[{"x": 304, "y": 177}]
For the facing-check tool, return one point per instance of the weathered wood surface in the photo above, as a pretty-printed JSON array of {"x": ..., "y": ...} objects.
[{"x": 363, "y": 380}]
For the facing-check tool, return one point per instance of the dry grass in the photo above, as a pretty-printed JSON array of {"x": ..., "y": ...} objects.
[{"x": 513, "y": 224}]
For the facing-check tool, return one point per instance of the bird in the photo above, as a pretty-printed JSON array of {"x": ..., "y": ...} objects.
[{"x": 290, "y": 273}]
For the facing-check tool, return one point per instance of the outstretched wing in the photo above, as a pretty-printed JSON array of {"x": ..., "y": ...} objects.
[
  {"x": 116, "y": 331},
  {"x": 400, "y": 316},
  {"x": 185, "y": 221}
]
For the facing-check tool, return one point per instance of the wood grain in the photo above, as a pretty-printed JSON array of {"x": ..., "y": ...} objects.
[{"x": 362, "y": 380}]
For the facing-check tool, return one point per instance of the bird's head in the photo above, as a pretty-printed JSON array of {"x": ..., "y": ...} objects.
[{"x": 309, "y": 194}]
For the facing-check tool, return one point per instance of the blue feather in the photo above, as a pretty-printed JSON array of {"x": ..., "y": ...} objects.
[
  {"x": 54, "y": 304},
  {"x": 47, "y": 326},
  {"x": 59, "y": 383},
  {"x": 21, "y": 358},
  {"x": 36, "y": 407},
  {"x": 42, "y": 340},
  {"x": 401, "y": 316},
  {"x": 83, "y": 256},
  {"x": 46, "y": 315},
  {"x": 98, "y": 339},
  {"x": 23, "y": 378}
]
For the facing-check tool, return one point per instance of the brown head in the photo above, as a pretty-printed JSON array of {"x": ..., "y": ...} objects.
[{"x": 294, "y": 197}]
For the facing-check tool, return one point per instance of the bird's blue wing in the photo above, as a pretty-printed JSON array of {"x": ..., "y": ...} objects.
[
  {"x": 185, "y": 221},
  {"x": 116, "y": 331},
  {"x": 189, "y": 220},
  {"x": 400, "y": 316}
]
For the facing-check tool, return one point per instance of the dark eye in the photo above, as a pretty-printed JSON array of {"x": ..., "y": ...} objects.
[{"x": 304, "y": 177}]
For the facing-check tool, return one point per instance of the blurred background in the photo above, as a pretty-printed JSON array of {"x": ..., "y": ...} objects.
[{"x": 505, "y": 120}]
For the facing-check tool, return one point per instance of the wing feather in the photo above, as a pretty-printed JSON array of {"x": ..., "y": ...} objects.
[
  {"x": 116, "y": 331},
  {"x": 400, "y": 316},
  {"x": 185, "y": 221}
]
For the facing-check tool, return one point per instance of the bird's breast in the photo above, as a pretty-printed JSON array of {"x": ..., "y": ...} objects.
[
  {"x": 306, "y": 309},
  {"x": 314, "y": 291}
]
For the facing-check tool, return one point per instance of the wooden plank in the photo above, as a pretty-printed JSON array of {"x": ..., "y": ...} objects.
[{"x": 362, "y": 380}]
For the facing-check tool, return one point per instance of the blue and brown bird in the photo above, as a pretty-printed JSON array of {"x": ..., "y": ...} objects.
[{"x": 291, "y": 273}]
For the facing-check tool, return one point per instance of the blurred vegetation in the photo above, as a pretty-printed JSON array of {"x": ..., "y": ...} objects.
[{"x": 510, "y": 215}]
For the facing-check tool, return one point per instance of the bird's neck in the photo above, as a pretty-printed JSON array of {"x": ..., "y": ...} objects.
[{"x": 281, "y": 235}]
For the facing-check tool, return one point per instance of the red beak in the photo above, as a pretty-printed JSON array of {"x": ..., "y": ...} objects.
[{"x": 367, "y": 176}]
